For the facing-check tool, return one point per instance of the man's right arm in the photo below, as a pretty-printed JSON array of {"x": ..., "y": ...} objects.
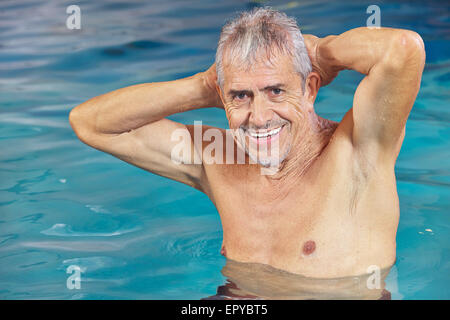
[{"x": 130, "y": 124}]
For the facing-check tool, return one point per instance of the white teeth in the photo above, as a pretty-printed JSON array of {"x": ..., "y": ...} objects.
[{"x": 265, "y": 134}]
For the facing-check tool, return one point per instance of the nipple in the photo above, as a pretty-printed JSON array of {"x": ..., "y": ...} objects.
[
  {"x": 309, "y": 247},
  {"x": 223, "y": 251}
]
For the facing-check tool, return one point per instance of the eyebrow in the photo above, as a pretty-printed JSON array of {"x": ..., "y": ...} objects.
[
  {"x": 233, "y": 92},
  {"x": 278, "y": 85},
  {"x": 236, "y": 92}
]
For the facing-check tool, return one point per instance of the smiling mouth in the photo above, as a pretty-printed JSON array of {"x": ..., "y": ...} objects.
[{"x": 260, "y": 137}]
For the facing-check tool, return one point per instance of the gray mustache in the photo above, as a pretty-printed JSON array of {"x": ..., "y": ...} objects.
[{"x": 267, "y": 125}]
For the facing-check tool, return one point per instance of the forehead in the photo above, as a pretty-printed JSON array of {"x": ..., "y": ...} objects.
[{"x": 262, "y": 72}]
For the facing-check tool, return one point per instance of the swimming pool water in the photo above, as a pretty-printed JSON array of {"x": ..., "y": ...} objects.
[{"x": 136, "y": 235}]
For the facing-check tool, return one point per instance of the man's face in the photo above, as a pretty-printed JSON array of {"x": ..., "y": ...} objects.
[{"x": 265, "y": 107}]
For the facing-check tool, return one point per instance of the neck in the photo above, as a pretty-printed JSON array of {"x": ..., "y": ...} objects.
[{"x": 307, "y": 146}]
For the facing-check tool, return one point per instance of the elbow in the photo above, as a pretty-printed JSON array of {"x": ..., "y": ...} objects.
[
  {"x": 411, "y": 43},
  {"x": 406, "y": 49},
  {"x": 74, "y": 120},
  {"x": 79, "y": 125}
]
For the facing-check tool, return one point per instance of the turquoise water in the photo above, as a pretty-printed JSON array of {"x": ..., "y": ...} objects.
[{"x": 139, "y": 236}]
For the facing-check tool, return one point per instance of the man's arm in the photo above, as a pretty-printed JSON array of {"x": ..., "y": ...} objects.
[
  {"x": 130, "y": 124},
  {"x": 393, "y": 61}
]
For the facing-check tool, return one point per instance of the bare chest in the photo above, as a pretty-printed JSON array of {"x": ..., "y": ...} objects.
[{"x": 324, "y": 229}]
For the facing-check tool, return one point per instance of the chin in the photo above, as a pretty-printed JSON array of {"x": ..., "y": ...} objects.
[{"x": 269, "y": 161}]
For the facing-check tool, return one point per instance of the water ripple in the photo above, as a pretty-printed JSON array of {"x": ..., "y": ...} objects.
[
  {"x": 139, "y": 235},
  {"x": 63, "y": 230}
]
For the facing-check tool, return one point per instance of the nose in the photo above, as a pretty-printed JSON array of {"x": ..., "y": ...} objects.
[{"x": 260, "y": 113}]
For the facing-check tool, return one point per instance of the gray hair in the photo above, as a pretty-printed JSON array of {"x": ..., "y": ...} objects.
[{"x": 266, "y": 29}]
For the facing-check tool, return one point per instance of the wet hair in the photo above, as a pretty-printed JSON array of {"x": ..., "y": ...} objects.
[{"x": 262, "y": 30}]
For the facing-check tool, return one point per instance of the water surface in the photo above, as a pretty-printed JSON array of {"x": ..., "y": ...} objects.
[{"x": 139, "y": 236}]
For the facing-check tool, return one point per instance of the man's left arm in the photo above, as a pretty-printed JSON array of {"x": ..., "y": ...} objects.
[{"x": 393, "y": 61}]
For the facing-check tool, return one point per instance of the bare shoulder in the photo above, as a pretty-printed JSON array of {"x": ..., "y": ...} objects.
[
  {"x": 218, "y": 153},
  {"x": 209, "y": 142}
]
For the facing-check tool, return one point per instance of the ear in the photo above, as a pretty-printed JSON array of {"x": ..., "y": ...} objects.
[
  {"x": 312, "y": 86},
  {"x": 219, "y": 92}
]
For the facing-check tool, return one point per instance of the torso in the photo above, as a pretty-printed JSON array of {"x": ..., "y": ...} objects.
[{"x": 339, "y": 219}]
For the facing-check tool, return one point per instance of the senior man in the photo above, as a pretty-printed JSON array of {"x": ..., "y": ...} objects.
[{"x": 331, "y": 209}]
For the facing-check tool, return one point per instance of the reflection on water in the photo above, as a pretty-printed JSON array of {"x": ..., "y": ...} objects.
[
  {"x": 260, "y": 281},
  {"x": 141, "y": 236}
]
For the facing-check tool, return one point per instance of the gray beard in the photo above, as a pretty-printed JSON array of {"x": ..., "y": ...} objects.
[{"x": 268, "y": 162}]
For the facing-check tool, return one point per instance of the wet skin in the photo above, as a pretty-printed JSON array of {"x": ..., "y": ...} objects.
[
  {"x": 258, "y": 281},
  {"x": 316, "y": 215},
  {"x": 331, "y": 209}
]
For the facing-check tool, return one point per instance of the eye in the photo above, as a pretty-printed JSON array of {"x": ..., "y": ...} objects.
[
  {"x": 240, "y": 96},
  {"x": 277, "y": 91}
]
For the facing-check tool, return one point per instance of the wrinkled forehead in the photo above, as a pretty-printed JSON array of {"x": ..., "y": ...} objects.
[{"x": 263, "y": 68}]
